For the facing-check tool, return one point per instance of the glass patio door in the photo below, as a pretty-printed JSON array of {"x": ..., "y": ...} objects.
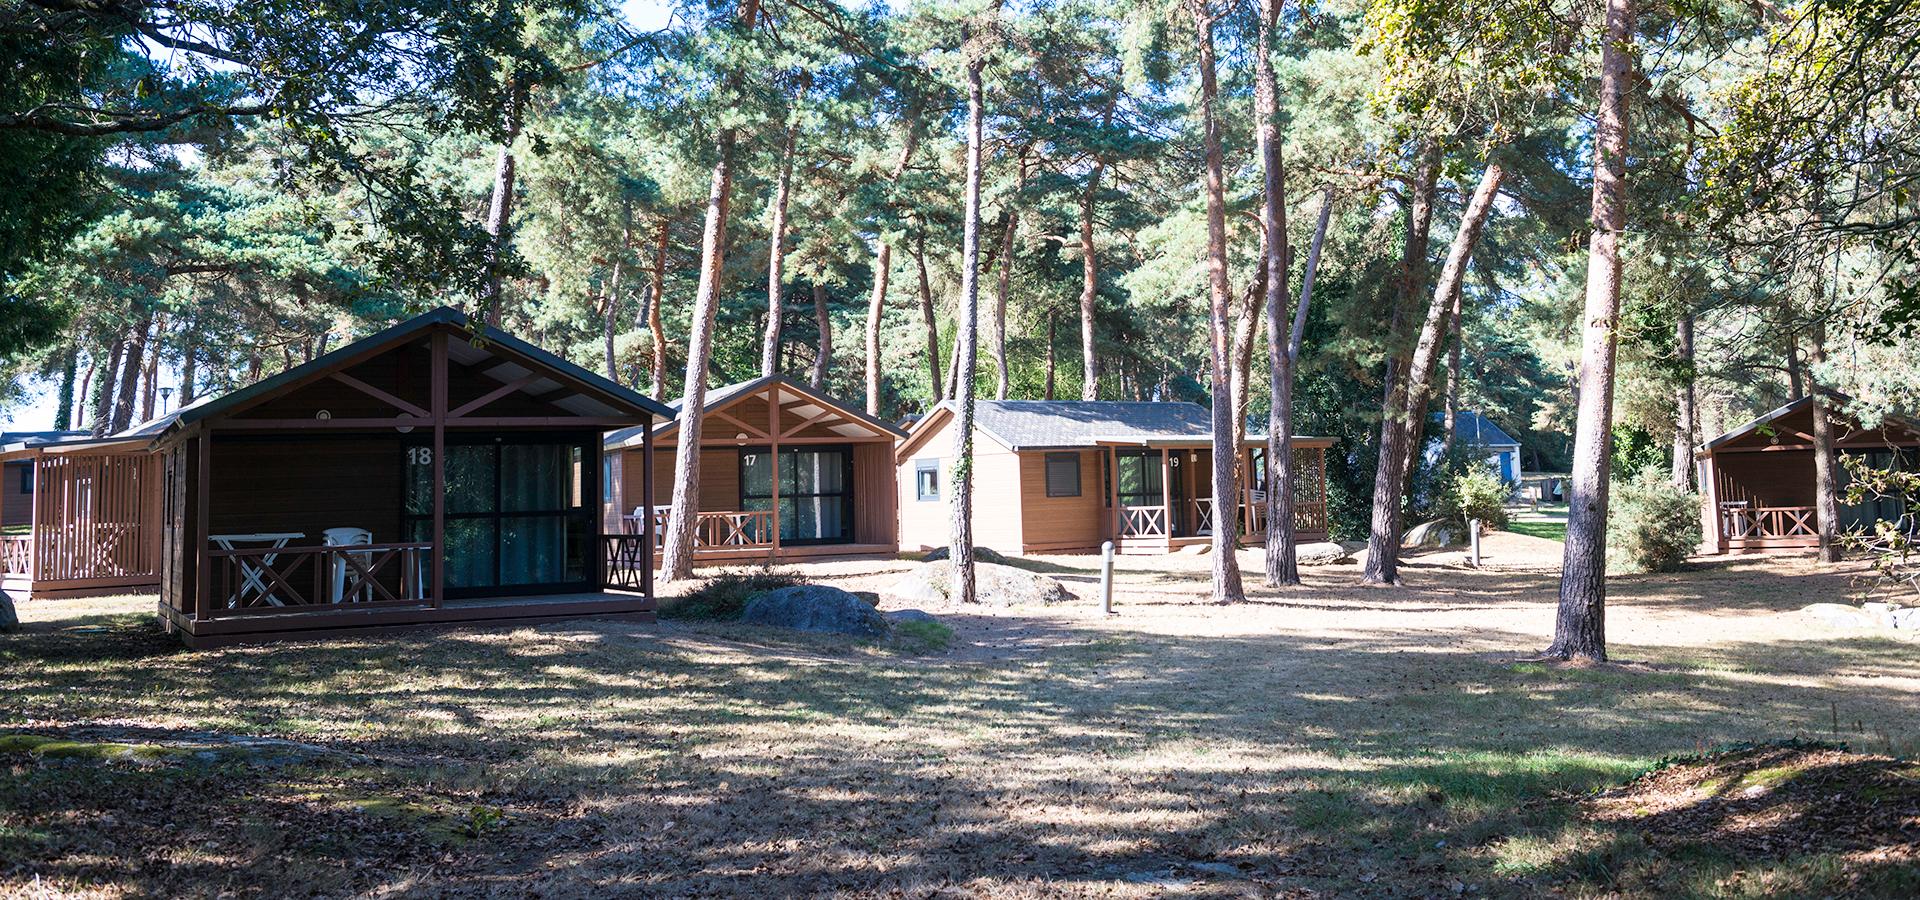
[
  {"x": 816, "y": 492},
  {"x": 516, "y": 516}
]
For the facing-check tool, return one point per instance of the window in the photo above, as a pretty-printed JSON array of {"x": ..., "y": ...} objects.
[
  {"x": 606, "y": 479},
  {"x": 815, "y": 488},
  {"x": 26, "y": 478},
  {"x": 1063, "y": 474},
  {"x": 1139, "y": 475},
  {"x": 926, "y": 479}
]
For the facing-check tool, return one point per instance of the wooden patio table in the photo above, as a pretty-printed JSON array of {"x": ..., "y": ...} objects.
[{"x": 250, "y": 577}]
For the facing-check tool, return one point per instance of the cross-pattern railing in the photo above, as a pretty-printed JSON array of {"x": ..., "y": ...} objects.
[
  {"x": 255, "y": 580},
  {"x": 16, "y": 554},
  {"x": 627, "y": 559},
  {"x": 1306, "y": 517},
  {"x": 714, "y": 530},
  {"x": 1143, "y": 521},
  {"x": 1768, "y": 522}
]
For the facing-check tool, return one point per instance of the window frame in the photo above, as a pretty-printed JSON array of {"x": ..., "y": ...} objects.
[
  {"x": 921, "y": 468},
  {"x": 1046, "y": 472}
]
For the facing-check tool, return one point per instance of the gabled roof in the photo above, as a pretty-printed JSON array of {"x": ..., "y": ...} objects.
[
  {"x": 600, "y": 394},
  {"x": 857, "y": 420},
  {"x": 1021, "y": 425},
  {"x": 1836, "y": 401},
  {"x": 1475, "y": 430},
  {"x": 20, "y": 440}
]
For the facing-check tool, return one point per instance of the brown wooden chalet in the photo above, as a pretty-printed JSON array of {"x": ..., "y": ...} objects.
[
  {"x": 1067, "y": 475},
  {"x": 436, "y": 472},
  {"x": 1757, "y": 480},
  {"x": 785, "y": 472},
  {"x": 82, "y": 515}
]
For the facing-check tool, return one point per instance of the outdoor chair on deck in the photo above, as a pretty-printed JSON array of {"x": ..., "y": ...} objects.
[{"x": 349, "y": 537}]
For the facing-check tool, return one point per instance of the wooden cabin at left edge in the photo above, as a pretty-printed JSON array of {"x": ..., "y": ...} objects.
[{"x": 436, "y": 472}]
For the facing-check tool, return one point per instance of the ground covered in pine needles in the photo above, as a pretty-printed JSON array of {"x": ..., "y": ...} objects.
[{"x": 1323, "y": 741}]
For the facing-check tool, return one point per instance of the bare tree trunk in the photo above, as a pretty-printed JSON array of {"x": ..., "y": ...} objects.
[
  {"x": 130, "y": 370},
  {"x": 189, "y": 367},
  {"x": 1450, "y": 404},
  {"x": 500, "y": 211},
  {"x": 935, "y": 384},
  {"x": 1052, "y": 338},
  {"x": 824, "y": 356},
  {"x": 1306, "y": 279},
  {"x": 1002, "y": 291},
  {"x": 1795, "y": 381},
  {"x": 1281, "y": 566},
  {"x": 1246, "y": 331},
  {"x": 1826, "y": 463},
  {"x": 677, "y": 557},
  {"x": 1579, "y": 630},
  {"x": 1683, "y": 417},
  {"x": 1226, "y": 568},
  {"x": 150, "y": 381},
  {"x": 1383, "y": 540},
  {"x": 659, "y": 331},
  {"x": 965, "y": 349},
  {"x": 777, "y": 257},
  {"x": 607, "y": 328},
  {"x": 882, "y": 271},
  {"x": 1089, "y": 288},
  {"x": 69, "y": 368}
]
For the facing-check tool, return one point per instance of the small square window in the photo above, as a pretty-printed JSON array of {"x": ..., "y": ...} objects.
[
  {"x": 926, "y": 479},
  {"x": 1063, "y": 474}
]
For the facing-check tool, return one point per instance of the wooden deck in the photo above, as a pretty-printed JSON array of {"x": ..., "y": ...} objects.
[{"x": 355, "y": 619}]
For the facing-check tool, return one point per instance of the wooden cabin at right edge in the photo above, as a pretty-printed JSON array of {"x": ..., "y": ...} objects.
[
  {"x": 1757, "y": 481},
  {"x": 1064, "y": 476}
]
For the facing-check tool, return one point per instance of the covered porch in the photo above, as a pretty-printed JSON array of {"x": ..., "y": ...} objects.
[
  {"x": 434, "y": 473},
  {"x": 1159, "y": 493},
  {"x": 91, "y": 523},
  {"x": 785, "y": 473}
]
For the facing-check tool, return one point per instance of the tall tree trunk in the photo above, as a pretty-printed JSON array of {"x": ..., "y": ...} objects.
[
  {"x": 1450, "y": 402},
  {"x": 189, "y": 367},
  {"x": 1089, "y": 288},
  {"x": 965, "y": 349},
  {"x": 69, "y": 367},
  {"x": 1826, "y": 463},
  {"x": 1053, "y": 317},
  {"x": 1226, "y": 568},
  {"x": 654, "y": 326},
  {"x": 777, "y": 256},
  {"x": 1383, "y": 539},
  {"x": 1683, "y": 414},
  {"x": 824, "y": 356},
  {"x": 882, "y": 272},
  {"x": 150, "y": 379},
  {"x": 1306, "y": 278},
  {"x": 676, "y": 561},
  {"x": 1579, "y": 630},
  {"x": 607, "y": 327},
  {"x": 935, "y": 384},
  {"x": 1001, "y": 292},
  {"x": 130, "y": 370},
  {"x": 85, "y": 399},
  {"x": 1281, "y": 566},
  {"x": 1446, "y": 301},
  {"x": 500, "y": 211},
  {"x": 1246, "y": 332},
  {"x": 1795, "y": 381}
]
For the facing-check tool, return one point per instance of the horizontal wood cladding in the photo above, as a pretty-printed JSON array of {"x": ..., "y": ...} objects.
[
  {"x": 306, "y": 484},
  {"x": 404, "y": 372},
  {"x": 1061, "y": 522},
  {"x": 997, "y": 522},
  {"x": 875, "y": 519}
]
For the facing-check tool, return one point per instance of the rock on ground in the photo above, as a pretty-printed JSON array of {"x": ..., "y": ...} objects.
[
  {"x": 994, "y": 585},
  {"x": 980, "y": 555},
  {"x": 9, "y": 620},
  {"x": 1321, "y": 553},
  {"x": 812, "y": 607},
  {"x": 1435, "y": 535},
  {"x": 912, "y": 615},
  {"x": 1846, "y": 615}
]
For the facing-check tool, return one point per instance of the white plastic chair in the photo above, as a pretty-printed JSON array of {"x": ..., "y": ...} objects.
[{"x": 349, "y": 537}]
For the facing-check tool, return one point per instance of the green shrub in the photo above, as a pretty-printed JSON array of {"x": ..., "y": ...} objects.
[
  {"x": 1476, "y": 494},
  {"x": 1652, "y": 526},
  {"x": 724, "y": 597}
]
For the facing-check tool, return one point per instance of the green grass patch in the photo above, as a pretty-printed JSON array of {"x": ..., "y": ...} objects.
[
  {"x": 917, "y": 638},
  {"x": 1553, "y": 531}
]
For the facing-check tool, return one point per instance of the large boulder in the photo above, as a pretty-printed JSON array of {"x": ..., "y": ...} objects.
[
  {"x": 1435, "y": 535},
  {"x": 1846, "y": 615},
  {"x": 1321, "y": 553},
  {"x": 9, "y": 620},
  {"x": 813, "y": 607},
  {"x": 994, "y": 585},
  {"x": 980, "y": 555}
]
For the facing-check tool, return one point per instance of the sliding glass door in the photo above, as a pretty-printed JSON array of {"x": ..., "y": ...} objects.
[
  {"x": 517, "y": 516},
  {"x": 816, "y": 491}
]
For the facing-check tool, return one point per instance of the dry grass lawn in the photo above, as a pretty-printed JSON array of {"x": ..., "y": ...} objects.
[{"x": 1329, "y": 740}]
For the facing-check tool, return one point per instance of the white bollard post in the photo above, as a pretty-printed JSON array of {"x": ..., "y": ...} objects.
[
  {"x": 1106, "y": 578},
  {"x": 1473, "y": 535}
]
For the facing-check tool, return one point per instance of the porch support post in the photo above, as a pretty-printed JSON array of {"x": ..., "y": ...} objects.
[
  {"x": 202, "y": 549},
  {"x": 1710, "y": 505},
  {"x": 438, "y": 407},
  {"x": 1166, "y": 491},
  {"x": 646, "y": 518},
  {"x": 773, "y": 434},
  {"x": 1113, "y": 491}
]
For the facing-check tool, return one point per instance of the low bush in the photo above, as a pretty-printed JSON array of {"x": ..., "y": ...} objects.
[
  {"x": 1476, "y": 494},
  {"x": 1652, "y": 526},
  {"x": 724, "y": 597}
]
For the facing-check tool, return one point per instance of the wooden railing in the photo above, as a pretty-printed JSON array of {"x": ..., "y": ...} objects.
[
  {"x": 280, "y": 579},
  {"x": 731, "y": 529},
  {"x": 627, "y": 559},
  {"x": 16, "y": 554},
  {"x": 1143, "y": 521},
  {"x": 1742, "y": 523}
]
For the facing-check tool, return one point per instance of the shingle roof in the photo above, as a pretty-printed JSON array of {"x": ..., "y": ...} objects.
[
  {"x": 36, "y": 438},
  {"x": 1474, "y": 429}
]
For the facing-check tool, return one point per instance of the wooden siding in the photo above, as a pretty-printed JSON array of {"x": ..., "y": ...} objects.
[
  {"x": 874, "y": 516},
  {"x": 926, "y": 524},
  {"x": 306, "y": 484},
  {"x": 1061, "y": 523},
  {"x": 97, "y": 521},
  {"x": 1773, "y": 478},
  {"x": 875, "y": 520}
]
